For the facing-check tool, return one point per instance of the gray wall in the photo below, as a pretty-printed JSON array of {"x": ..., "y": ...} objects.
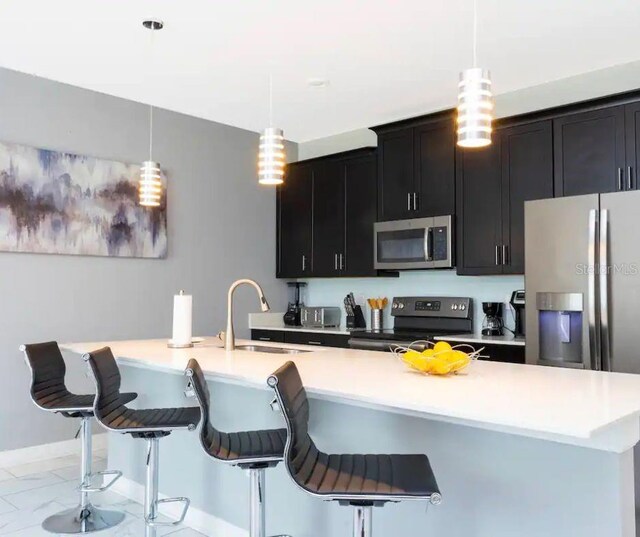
[{"x": 221, "y": 227}]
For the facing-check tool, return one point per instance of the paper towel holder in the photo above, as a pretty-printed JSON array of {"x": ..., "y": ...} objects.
[{"x": 173, "y": 345}]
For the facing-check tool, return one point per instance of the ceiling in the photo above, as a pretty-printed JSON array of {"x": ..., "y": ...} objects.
[{"x": 385, "y": 59}]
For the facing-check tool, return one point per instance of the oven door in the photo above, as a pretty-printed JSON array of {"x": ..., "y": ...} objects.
[{"x": 422, "y": 243}]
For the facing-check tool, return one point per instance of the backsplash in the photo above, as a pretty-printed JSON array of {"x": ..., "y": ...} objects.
[{"x": 331, "y": 292}]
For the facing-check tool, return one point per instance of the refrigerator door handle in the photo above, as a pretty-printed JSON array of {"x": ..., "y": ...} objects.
[
  {"x": 594, "y": 329},
  {"x": 603, "y": 271}
]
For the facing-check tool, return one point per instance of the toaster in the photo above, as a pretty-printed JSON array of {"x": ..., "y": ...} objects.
[{"x": 320, "y": 316}]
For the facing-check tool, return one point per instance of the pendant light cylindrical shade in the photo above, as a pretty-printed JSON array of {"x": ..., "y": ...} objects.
[
  {"x": 271, "y": 157},
  {"x": 475, "y": 108},
  {"x": 150, "y": 187}
]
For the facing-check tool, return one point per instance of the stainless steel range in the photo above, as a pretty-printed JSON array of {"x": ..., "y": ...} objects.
[{"x": 418, "y": 318}]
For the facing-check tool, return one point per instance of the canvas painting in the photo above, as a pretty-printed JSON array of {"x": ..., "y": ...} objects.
[{"x": 61, "y": 203}]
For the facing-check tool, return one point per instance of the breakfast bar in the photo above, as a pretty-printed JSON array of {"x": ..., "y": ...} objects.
[{"x": 516, "y": 449}]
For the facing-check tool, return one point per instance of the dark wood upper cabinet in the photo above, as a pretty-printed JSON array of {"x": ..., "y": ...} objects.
[
  {"x": 327, "y": 208},
  {"x": 328, "y": 217},
  {"x": 527, "y": 174},
  {"x": 396, "y": 175},
  {"x": 435, "y": 153},
  {"x": 295, "y": 213},
  {"x": 416, "y": 170},
  {"x": 632, "y": 128},
  {"x": 589, "y": 152},
  {"x": 361, "y": 195},
  {"x": 479, "y": 209}
]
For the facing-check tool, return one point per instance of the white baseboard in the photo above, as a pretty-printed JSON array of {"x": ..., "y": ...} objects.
[
  {"x": 196, "y": 519},
  {"x": 43, "y": 452}
]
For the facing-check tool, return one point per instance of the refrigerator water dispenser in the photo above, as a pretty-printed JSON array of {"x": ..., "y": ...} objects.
[{"x": 560, "y": 328}]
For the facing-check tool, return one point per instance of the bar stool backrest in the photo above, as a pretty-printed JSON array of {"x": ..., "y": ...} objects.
[
  {"x": 294, "y": 404},
  {"x": 107, "y": 378},
  {"x": 47, "y": 372},
  {"x": 209, "y": 435}
]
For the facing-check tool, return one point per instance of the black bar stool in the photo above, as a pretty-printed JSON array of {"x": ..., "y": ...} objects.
[
  {"x": 254, "y": 451},
  {"x": 149, "y": 424},
  {"x": 361, "y": 481},
  {"x": 49, "y": 393}
]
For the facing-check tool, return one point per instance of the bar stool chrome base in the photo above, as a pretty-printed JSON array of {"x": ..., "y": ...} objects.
[{"x": 82, "y": 520}]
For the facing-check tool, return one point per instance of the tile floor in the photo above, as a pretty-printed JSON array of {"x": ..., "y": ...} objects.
[{"x": 29, "y": 493}]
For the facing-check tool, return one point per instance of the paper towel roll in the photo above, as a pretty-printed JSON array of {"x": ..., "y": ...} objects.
[{"x": 182, "y": 305}]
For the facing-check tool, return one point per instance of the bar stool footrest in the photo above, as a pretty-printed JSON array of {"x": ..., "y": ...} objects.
[
  {"x": 185, "y": 501},
  {"x": 115, "y": 475}
]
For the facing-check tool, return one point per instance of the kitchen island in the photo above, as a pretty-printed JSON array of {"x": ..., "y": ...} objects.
[{"x": 517, "y": 449}]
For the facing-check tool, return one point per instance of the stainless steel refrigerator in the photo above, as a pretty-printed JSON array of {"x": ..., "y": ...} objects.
[{"x": 582, "y": 280}]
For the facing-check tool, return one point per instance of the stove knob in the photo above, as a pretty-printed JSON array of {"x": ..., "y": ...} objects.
[
  {"x": 463, "y": 307},
  {"x": 401, "y": 305},
  {"x": 455, "y": 306},
  {"x": 394, "y": 306}
]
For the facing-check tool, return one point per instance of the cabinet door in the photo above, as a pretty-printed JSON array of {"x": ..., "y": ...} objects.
[
  {"x": 395, "y": 171},
  {"x": 527, "y": 174},
  {"x": 360, "y": 215},
  {"x": 328, "y": 217},
  {"x": 295, "y": 222},
  {"x": 435, "y": 153},
  {"x": 589, "y": 153},
  {"x": 632, "y": 127},
  {"x": 478, "y": 209}
]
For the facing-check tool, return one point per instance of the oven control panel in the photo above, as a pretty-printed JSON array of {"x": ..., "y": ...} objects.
[{"x": 452, "y": 307}]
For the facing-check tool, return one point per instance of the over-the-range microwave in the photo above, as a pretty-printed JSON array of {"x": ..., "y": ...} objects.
[{"x": 420, "y": 243}]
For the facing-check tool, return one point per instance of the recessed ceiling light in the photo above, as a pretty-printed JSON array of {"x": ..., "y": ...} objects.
[{"x": 318, "y": 82}]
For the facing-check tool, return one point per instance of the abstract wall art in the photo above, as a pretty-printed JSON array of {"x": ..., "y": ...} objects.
[{"x": 61, "y": 203}]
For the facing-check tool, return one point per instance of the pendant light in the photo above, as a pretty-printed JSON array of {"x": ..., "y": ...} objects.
[
  {"x": 475, "y": 100},
  {"x": 271, "y": 156},
  {"x": 150, "y": 185}
]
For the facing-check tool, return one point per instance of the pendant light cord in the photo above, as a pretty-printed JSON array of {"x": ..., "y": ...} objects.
[
  {"x": 153, "y": 31},
  {"x": 270, "y": 100},
  {"x": 475, "y": 33}
]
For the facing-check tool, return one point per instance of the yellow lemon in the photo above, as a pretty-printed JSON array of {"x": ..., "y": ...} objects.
[
  {"x": 459, "y": 361},
  {"x": 441, "y": 346},
  {"x": 439, "y": 366},
  {"x": 416, "y": 360},
  {"x": 428, "y": 353}
]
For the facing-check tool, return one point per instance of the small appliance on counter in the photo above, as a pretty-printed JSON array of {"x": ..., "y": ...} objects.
[
  {"x": 418, "y": 318},
  {"x": 492, "y": 324},
  {"x": 320, "y": 317},
  {"x": 355, "y": 318},
  {"x": 296, "y": 303},
  {"x": 517, "y": 303}
]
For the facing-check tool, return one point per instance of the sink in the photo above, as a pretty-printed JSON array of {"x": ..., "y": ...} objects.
[{"x": 270, "y": 350}]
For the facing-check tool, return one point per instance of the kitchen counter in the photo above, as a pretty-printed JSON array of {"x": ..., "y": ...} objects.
[
  {"x": 507, "y": 442},
  {"x": 507, "y": 339},
  {"x": 586, "y": 408},
  {"x": 273, "y": 321}
]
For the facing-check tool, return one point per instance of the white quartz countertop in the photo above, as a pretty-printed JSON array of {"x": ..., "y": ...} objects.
[
  {"x": 507, "y": 339},
  {"x": 273, "y": 321},
  {"x": 587, "y": 408}
]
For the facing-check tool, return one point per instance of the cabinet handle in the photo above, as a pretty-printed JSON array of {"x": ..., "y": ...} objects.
[
  {"x": 264, "y": 339},
  {"x": 620, "y": 187},
  {"x": 497, "y": 255},
  {"x": 314, "y": 342},
  {"x": 505, "y": 254},
  {"x": 629, "y": 179},
  {"x": 415, "y": 201},
  {"x": 304, "y": 262},
  {"x": 408, "y": 201},
  {"x": 341, "y": 262},
  {"x": 335, "y": 262}
]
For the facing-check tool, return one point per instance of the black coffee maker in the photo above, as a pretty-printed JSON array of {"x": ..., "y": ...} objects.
[
  {"x": 517, "y": 303},
  {"x": 292, "y": 317},
  {"x": 492, "y": 324}
]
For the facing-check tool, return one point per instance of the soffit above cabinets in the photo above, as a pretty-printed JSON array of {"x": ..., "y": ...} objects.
[{"x": 383, "y": 61}]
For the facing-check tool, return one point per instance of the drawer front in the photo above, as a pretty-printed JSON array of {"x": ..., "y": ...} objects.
[
  {"x": 276, "y": 336},
  {"x": 503, "y": 353},
  {"x": 314, "y": 338}
]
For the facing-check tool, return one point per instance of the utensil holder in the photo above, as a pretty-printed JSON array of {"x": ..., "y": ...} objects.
[{"x": 376, "y": 319}]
